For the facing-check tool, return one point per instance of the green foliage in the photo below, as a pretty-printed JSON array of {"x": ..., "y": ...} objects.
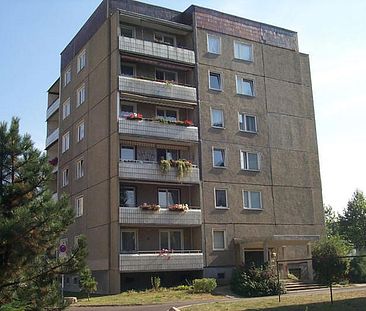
[
  {"x": 331, "y": 221},
  {"x": 183, "y": 287},
  {"x": 357, "y": 272},
  {"x": 292, "y": 277},
  {"x": 205, "y": 285},
  {"x": 256, "y": 281},
  {"x": 31, "y": 224},
  {"x": 155, "y": 283},
  {"x": 352, "y": 224},
  {"x": 327, "y": 266},
  {"x": 87, "y": 282}
]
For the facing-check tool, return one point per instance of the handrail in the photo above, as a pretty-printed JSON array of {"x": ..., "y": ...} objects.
[
  {"x": 174, "y": 83},
  {"x": 162, "y": 252},
  {"x": 147, "y": 162},
  {"x": 156, "y": 120}
]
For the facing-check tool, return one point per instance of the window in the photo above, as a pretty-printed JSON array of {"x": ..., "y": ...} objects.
[
  {"x": 243, "y": 51},
  {"x": 128, "y": 153},
  {"x": 171, "y": 239},
  {"x": 164, "y": 38},
  {"x": 219, "y": 239},
  {"x": 165, "y": 75},
  {"x": 127, "y": 196},
  {"x": 214, "y": 82},
  {"x": 126, "y": 109},
  {"x": 80, "y": 131},
  {"x": 217, "y": 118},
  {"x": 65, "y": 177},
  {"x": 79, "y": 204},
  {"x": 128, "y": 31},
  {"x": 128, "y": 240},
  {"x": 244, "y": 87},
  {"x": 247, "y": 123},
  {"x": 66, "y": 109},
  {"x": 81, "y": 61},
  {"x": 167, "y": 154},
  {"x": 218, "y": 156},
  {"x": 213, "y": 44},
  {"x": 67, "y": 76},
  {"x": 254, "y": 257},
  {"x": 167, "y": 114},
  {"x": 249, "y": 161},
  {"x": 221, "y": 198},
  {"x": 65, "y": 141},
  {"x": 252, "y": 199},
  {"x": 79, "y": 168},
  {"x": 127, "y": 70},
  {"x": 167, "y": 197},
  {"x": 80, "y": 95}
]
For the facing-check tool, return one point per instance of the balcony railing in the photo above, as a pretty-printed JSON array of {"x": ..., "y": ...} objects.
[
  {"x": 158, "y": 261},
  {"x": 156, "y": 50},
  {"x": 52, "y": 138},
  {"x": 53, "y": 108},
  {"x": 157, "y": 88},
  {"x": 149, "y": 170},
  {"x": 157, "y": 129},
  {"x": 137, "y": 216}
]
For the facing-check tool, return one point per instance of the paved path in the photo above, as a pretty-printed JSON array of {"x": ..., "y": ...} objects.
[{"x": 165, "y": 307}]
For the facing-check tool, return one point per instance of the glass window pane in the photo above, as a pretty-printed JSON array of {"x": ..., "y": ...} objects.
[
  {"x": 170, "y": 76},
  {"x": 172, "y": 154},
  {"x": 255, "y": 199},
  {"x": 242, "y": 51},
  {"x": 253, "y": 161},
  {"x": 127, "y": 70},
  {"x": 160, "y": 113},
  {"x": 127, "y": 153},
  {"x": 162, "y": 197},
  {"x": 176, "y": 240},
  {"x": 128, "y": 241},
  {"x": 127, "y": 32},
  {"x": 127, "y": 197},
  {"x": 219, "y": 242},
  {"x": 213, "y": 44},
  {"x": 164, "y": 240},
  {"x": 241, "y": 122},
  {"x": 169, "y": 40},
  {"x": 246, "y": 199},
  {"x": 173, "y": 197},
  {"x": 250, "y": 123},
  {"x": 219, "y": 157},
  {"x": 215, "y": 81},
  {"x": 220, "y": 198},
  {"x": 217, "y": 118},
  {"x": 126, "y": 110},
  {"x": 159, "y": 75},
  {"x": 171, "y": 115}
]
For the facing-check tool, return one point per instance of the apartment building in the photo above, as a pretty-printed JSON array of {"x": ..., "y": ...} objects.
[{"x": 187, "y": 144}]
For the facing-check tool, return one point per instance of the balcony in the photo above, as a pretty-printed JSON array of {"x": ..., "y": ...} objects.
[
  {"x": 53, "y": 108},
  {"x": 157, "y": 129},
  {"x": 158, "y": 50},
  {"x": 148, "y": 170},
  {"x": 52, "y": 138},
  {"x": 158, "y": 261},
  {"x": 157, "y": 89},
  {"x": 137, "y": 216}
]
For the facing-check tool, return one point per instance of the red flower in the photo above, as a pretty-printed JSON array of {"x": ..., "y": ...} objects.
[{"x": 188, "y": 122}]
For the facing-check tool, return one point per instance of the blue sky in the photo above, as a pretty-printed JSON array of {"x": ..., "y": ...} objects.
[{"x": 32, "y": 35}]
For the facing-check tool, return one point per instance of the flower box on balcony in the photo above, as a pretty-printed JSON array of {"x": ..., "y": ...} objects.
[
  {"x": 150, "y": 207},
  {"x": 179, "y": 207},
  {"x": 135, "y": 116}
]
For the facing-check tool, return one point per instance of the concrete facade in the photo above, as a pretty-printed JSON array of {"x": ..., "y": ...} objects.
[{"x": 142, "y": 59}]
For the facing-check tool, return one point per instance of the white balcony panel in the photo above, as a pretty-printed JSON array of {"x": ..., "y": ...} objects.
[
  {"x": 154, "y": 49},
  {"x": 143, "y": 170},
  {"x": 157, "y": 129},
  {"x": 52, "y": 137},
  {"x": 156, "y": 88},
  {"x": 53, "y": 108},
  {"x": 137, "y": 216},
  {"x": 157, "y": 262}
]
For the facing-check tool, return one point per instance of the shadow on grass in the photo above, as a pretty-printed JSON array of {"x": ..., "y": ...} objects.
[
  {"x": 354, "y": 304},
  {"x": 80, "y": 295}
]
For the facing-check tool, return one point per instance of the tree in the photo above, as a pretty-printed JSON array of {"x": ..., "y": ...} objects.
[
  {"x": 31, "y": 224},
  {"x": 329, "y": 268},
  {"x": 87, "y": 282},
  {"x": 331, "y": 221},
  {"x": 352, "y": 224}
]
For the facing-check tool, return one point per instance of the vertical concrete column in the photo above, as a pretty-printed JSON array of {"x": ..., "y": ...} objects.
[
  {"x": 309, "y": 262},
  {"x": 285, "y": 266}
]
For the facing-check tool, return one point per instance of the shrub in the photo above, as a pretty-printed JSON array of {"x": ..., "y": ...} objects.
[
  {"x": 183, "y": 287},
  {"x": 357, "y": 273},
  {"x": 255, "y": 282},
  {"x": 155, "y": 283},
  {"x": 204, "y": 285}
]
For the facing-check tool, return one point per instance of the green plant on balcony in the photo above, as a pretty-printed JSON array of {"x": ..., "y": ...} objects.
[
  {"x": 184, "y": 167},
  {"x": 165, "y": 166},
  {"x": 150, "y": 207}
]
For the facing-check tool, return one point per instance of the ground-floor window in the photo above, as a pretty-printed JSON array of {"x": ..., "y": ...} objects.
[{"x": 254, "y": 257}]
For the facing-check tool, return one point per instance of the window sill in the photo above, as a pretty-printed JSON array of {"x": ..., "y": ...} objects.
[
  {"x": 252, "y": 209},
  {"x": 214, "y": 53},
  {"x": 221, "y": 208},
  {"x": 218, "y": 127},
  {"x": 220, "y": 167},
  {"x": 241, "y": 60},
  {"x": 246, "y": 95},
  {"x": 219, "y": 250},
  {"x": 249, "y": 170},
  {"x": 248, "y": 132},
  {"x": 215, "y": 90}
]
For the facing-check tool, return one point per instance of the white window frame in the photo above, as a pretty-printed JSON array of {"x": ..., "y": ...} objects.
[
  {"x": 80, "y": 95},
  {"x": 225, "y": 157},
  {"x": 237, "y": 78},
  {"x": 223, "y": 118},
  {"x": 131, "y": 65},
  {"x": 66, "y": 108},
  {"x": 165, "y": 35},
  {"x": 127, "y": 187},
  {"x": 65, "y": 177},
  {"x": 134, "y": 105},
  {"x": 169, "y": 232},
  {"x": 135, "y": 231},
  {"x": 209, "y": 81},
  {"x": 128, "y": 27},
  {"x": 67, "y": 76},
  {"x": 250, "y": 201},
  {"x": 81, "y": 60},
  {"x": 240, "y": 114},
  {"x": 166, "y": 190},
  {"x": 246, "y": 44},
  {"x": 208, "y": 45},
  {"x": 244, "y": 160},
  {"x": 80, "y": 131},
  {"x": 79, "y": 206},
  {"x": 127, "y": 146},
  {"x": 80, "y": 168},
  {"x": 226, "y": 198},
  {"x": 213, "y": 240},
  {"x": 65, "y": 142},
  {"x": 165, "y": 109},
  {"x": 170, "y": 71}
]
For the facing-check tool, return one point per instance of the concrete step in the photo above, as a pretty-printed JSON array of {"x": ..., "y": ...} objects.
[{"x": 299, "y": 286}]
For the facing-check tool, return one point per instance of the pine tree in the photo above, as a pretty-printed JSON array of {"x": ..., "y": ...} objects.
[{"x": 31, "y": 224}]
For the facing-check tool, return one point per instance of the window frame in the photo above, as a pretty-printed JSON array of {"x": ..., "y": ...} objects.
[
  {"x": 134, "y": 105},
  {"x": 166, "y": 193},
  {"x": 131, "y": 65},
  {"x": 65, "y": 142},
  {"x": 213, "y": 239},
  {"x": 135, "y": 231},
  {"x": 245, "y": 122},
  {"x": 122, "y": 186},
  {"x": 213, "y": 157},
  {"x": 79, "y": 168},
  {"x": 250, "y": 201},
  {"x": 223, "y": 118},
  {"x": 246, "y": 159},
  {"x": 129, "y": 147},
  {"x": 165, "y": 110},
  {"x": 208, "y": 45},
  {"x": 79, "y": 137},
  {"x": 66, "y": 103},
  {"x": 164, "y": 71},
  {"x": 220, "y": 82},
  {"x": 226, "y": 198},
  {"x": 127, "y": 27},
  {"x": 246, "y": 44},
  {"x": 67, "y": 75},
  {"x": 80, "y": 99},
  {"x": 169, "y": 238},
  {"x": 251, "y": 82},
  {"x": 65, "y": 177},
  {"x": 164, "y": 35},
  {"x": 79, "y": 210},
  {"x": 81, "y": 61}
]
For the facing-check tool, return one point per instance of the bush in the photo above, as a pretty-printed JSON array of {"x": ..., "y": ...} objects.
[
  {"x": 183, "y": 287},
  {"x": 256, "y": 281},
  {"x": 357, "y": 273},
  {"x": 204, "y": 285},
  {"x": 155, "y": 283}
]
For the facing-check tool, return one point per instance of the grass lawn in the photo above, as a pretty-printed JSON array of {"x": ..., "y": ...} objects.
[
  {"x": 143, "y": 297},
  {"x": 343, "y": 301}
]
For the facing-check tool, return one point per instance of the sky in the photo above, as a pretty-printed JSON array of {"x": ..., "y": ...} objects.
[{"x": 333, "y": 32}]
